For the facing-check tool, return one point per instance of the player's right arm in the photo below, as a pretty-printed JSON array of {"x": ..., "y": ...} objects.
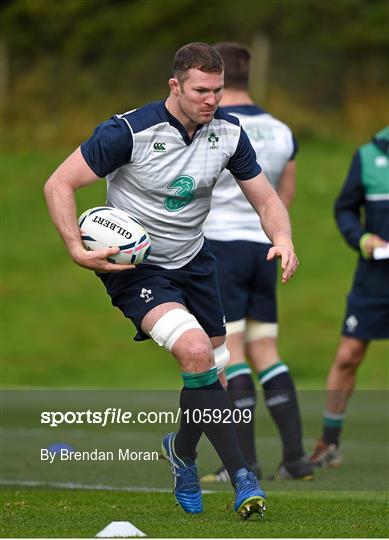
[
  {"x": 348, "y": 212},
  {"x": 59, "y": 191},
  {"x": 349, "y": 203}
]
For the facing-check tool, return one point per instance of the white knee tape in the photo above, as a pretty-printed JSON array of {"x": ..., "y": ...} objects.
[
  {"x": 258, "y": 330},
  {"x": 171, "y": 326},
  {"x": 222, "y": 357},
  {"x": 236, "y": 327}
]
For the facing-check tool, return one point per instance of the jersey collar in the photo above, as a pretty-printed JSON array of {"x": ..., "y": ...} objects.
[
  {"x": 249, "y": 110},
  {"x": 173, "y": 121}
]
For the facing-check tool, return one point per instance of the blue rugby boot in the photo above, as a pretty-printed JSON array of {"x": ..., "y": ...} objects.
[
  {"x": 187, "y": 488},
  {"x": 250, "y": 498}
]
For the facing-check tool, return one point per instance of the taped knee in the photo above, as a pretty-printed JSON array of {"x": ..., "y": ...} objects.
[
  {"x": 222, "y": 357},
  {"x": 256, "y": 330},
  {"x": 171, "y": 326}
]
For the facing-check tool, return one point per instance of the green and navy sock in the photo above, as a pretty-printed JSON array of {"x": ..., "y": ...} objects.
[
  {"x": 242, "y": 394},
  {"x": 203, "y": 391},
  {"x": 188, "y": 436},
  {"x": 281, "y": 400},
  {"x": 333, "y": 424}
]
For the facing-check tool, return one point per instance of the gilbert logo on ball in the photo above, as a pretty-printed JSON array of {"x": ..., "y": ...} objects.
[{"x": 103, "y": 227}]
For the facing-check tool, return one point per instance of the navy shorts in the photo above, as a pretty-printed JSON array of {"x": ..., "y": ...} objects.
[
  {"x": 247, "y": 281},
  {"x": 136, "y": 292},
  {"x": 366, "y": 318},
  {"x": 367, "y": 311}
]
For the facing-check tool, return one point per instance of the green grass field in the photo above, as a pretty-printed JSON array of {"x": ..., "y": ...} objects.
[
  {"x": 351, "y": 501},
  {"x": 77, "y": 514},
  {"x": 59, "y": 331}
]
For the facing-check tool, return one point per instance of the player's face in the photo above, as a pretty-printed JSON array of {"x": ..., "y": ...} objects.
[{"x": 199, "y": 95}]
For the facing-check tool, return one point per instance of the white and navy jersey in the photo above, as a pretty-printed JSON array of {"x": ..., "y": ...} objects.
[
  {"x": 160, "y": 176},
  {"x": 232, "y": 217}
]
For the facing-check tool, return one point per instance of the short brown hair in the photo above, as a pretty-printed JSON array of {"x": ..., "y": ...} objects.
[
  {"x": 196, "y": 56},
  {"x": 237, "y": 60}
]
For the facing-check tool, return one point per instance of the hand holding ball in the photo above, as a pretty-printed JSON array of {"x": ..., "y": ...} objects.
[{"x": 104, "y": 227}]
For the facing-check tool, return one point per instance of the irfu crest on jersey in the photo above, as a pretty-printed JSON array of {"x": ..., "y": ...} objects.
[
  {"x": 184, "y": 187},
  {"x": 213, "y": 139}
]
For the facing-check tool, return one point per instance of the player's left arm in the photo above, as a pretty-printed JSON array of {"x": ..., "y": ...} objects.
[{"x": 275, "y": 221}]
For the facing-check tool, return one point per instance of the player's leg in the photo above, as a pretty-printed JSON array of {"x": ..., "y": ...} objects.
[
  {"x": 342, "y": 375},
  {"x": 173, "y": 327},
  {"x": 153, "y": 298},
  {"x": 242, "y": 395},
  {"x": 273, "y": 374},
  {"x": 366, "y": 318},
  {"x": 234, "y": 281},
  {"x": 202, "y": 394},
  {"x": 203, "y": 300},
  {"x": 280, "y": 398},
  {"x": 340, "y": 386}
]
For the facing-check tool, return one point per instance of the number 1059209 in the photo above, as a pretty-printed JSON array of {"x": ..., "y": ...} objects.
[{"x": 217, "y": 416}]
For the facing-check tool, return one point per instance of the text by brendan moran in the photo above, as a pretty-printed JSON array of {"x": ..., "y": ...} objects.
[{"x": 121, "y": 454}]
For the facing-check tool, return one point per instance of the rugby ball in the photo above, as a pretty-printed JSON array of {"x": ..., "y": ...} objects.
[{"x": 103, "y": 227}]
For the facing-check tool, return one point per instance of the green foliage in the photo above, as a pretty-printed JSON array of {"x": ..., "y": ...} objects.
[
  {"x": 74, "y": 27},
  {"x": 68, "y": 65}
]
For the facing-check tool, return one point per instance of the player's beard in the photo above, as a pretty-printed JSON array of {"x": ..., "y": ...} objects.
[
  {"x": 194, "y": 114},
  {"x": 198, "y": 117}
]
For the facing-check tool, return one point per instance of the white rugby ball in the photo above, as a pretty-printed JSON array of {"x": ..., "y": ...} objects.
[{"x": 103, "y": 227}]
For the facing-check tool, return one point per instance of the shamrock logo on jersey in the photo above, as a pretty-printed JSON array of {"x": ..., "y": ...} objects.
[
  {"x": 184, "y": 187},
  {"x": 213, "y": 139}
]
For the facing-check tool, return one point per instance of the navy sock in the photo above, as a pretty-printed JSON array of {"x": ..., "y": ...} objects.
[
  {"x": 281, "y": 400},
  {"x": 203, "y": 399},
  {"x": 333, "y": 425},
  {"x": 243, "y": 396},
  {"x": 188, "y": 436}
]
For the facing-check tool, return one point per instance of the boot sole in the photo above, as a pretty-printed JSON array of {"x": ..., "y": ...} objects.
[{"x": 252, "y": 505}]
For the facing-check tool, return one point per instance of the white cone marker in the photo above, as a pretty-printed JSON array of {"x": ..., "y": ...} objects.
[{"x": 120, "y": 529}]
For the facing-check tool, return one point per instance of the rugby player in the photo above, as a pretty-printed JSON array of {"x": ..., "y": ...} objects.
[
  {"x": 362, "y": 215},
  {"x": 161, "y": 162}
]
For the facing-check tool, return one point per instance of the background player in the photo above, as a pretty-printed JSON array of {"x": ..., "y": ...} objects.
[
  {"x": 365, "y": 191},
  {"x": 161, "y": 163},
  {"x": 248, "y": 278}
]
